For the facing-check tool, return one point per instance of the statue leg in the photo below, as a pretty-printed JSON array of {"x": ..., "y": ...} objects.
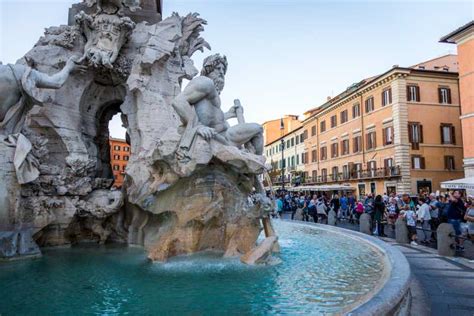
[{"x": 242, "y": 134}]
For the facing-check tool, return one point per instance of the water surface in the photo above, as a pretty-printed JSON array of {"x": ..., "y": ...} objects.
[{"x": 320, "y": 273}]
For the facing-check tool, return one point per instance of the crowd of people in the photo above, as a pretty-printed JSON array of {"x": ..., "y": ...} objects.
[{"x": 424, "y": 212}]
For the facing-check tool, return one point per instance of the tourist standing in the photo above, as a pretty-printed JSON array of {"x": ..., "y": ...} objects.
[
  {"x": 359, "y": 210},
  {"x": 424, "y": 217},
  {"x": 410, "y": 217},
  {"x": 434, "y": 213},
  {"x": 456, "y": 212},
  {"x": 379, "y": 213},
  {"x": 344, "y": 206},
  {"x": 335, "y": 204},
  {"x": 352, "y": 205},
  {"x": 279, "y": 206},
  {"x": 393, "y": 211}
]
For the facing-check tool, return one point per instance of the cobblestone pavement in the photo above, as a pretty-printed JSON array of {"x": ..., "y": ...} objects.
[{"x": 442, "y": 286}]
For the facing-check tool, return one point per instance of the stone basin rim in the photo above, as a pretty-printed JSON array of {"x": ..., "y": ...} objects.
[{"x": 394, "y": 291}]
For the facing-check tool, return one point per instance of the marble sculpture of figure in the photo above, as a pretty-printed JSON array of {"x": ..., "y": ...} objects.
[
  {"x": 199, "y": 108},
  {"x": 17, "y": 97}
]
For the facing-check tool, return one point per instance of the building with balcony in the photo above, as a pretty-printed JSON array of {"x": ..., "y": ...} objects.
[
  {"x": 287, "y": 152},
  {"x": 119, "y": 157},
  {"x": 396, "y": 132}
]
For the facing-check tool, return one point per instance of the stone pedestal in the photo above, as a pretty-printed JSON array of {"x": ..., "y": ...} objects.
[
  {"x": 401, "y": 231},
  {"x": 298, "y": 215},
  {"x": 332, "y": 218},
  {"x": 364, "y": 226},
  {"x": 446, "y": 244},
  {"x": 17, "y": 243}
]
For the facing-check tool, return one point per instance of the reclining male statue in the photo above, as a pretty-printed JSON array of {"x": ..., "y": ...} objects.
[
  {"x": 16, "y": 99},
  {"x": 199, "y": 108}
]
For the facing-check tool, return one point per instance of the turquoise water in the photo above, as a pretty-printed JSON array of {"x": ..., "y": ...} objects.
[{"x": 320, "y": 273}]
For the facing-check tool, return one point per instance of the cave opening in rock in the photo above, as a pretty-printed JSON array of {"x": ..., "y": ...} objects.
[{"x": 114, "y": 145}]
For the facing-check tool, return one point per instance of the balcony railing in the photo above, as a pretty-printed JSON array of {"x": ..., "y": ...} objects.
[
  {"x": 368, "y": 174},
  {"x": 379, "y": 173}
]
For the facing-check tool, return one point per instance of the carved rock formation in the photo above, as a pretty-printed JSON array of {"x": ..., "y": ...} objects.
[{"x": 168, "y": 206}]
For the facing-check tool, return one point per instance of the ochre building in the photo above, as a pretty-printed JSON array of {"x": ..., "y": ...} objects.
[
  {"x": 396, "y": 132},
  {"x": 119, "y": 157},
  {"x": 464, "y": 38},
  {"x": 273, "y": 130}
]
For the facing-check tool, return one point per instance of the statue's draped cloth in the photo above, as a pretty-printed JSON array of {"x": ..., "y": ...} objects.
[{"x": 26, "y": 165}]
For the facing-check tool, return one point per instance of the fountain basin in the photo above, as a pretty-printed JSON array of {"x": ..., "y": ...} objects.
[{"x": 324, "y": 270}]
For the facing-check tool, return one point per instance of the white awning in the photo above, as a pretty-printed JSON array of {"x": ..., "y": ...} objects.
[
  {"x": 321, "y": 188},
  {"x": 459, "y": 184}
]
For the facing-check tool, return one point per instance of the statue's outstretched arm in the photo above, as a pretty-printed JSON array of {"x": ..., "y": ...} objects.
[{"x": 56, "y": 81}]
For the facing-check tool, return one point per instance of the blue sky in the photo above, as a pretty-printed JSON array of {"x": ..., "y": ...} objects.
[{"x": 285, "y": 56}]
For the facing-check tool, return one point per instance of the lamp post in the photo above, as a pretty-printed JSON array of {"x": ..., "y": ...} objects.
[
  {"x": 282, "y": 133},
  {"x": 282, "y": 164}
]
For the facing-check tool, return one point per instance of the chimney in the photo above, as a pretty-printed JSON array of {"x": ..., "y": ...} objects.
[{"x": 328, "y": 98}]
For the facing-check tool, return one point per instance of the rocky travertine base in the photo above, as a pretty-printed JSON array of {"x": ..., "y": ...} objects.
[
  {"x": 14, "y": 244},
  {"x": 207, "y": 211}
]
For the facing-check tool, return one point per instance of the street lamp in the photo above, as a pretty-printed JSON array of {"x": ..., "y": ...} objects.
[
  {"x": 282, "y": 133},
  {"x": 282, "y": 164}
]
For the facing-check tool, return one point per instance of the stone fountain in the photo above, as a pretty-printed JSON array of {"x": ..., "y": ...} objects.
[{"x": 192, "y": 180}]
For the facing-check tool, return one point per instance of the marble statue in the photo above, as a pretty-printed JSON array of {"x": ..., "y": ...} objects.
[
  {"x": 199, "y": 107},
  {"x": 191, "y": 183},
  {"x": 106, "y": 34},
  {"x": 17, "y": 96}
]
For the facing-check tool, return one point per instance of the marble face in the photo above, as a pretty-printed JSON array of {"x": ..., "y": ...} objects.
[{"x": 218, "y": 77}]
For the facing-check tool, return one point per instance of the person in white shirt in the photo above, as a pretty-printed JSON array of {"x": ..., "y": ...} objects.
[
  {"x": 409, "y": 215},
  {"x": 424, "y": 216}
]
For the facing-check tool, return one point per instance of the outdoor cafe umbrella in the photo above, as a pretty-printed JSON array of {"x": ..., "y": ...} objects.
[{"x": 463, "y": 184}]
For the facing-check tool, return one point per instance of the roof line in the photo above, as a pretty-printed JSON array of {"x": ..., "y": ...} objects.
[
  {"x": 427, "y": 61},
  {"x": 328, "y": 104},
  {"x": 445, "y": 39}
]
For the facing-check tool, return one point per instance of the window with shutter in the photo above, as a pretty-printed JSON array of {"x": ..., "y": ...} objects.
[
  {"x": 369, "y": 105},
  {"x": 417, "y": 162},
  {"x": 444, "y": 95},
  {"x": 333, "y": 121},
  {"x": 322, "y": 126},
  {"x": 324, "y": 175},
  {"x": 449, "y": 162},
  {"x": 447, "y": 134},
  {"x": 415, "y": 135},
  {"x": 387, "y": 134},
  {"x": 355, "y": 110},
  {"x": 386, "y": 97}
]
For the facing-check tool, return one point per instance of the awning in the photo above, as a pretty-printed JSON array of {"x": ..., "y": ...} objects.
[
  {"x": 321, "y": 188},
  {"x": 459, "y": 184}
]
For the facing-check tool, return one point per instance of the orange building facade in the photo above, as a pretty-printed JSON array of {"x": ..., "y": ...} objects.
[
  {"x": 463, "y": 37},
  {"x": 272, "y": 129},
  {"x": 119, "y": 157},
  {"x": 397, "y": 132}
]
